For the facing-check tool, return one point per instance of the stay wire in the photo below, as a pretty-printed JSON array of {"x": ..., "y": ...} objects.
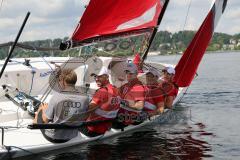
[
  {"x": 53, "y": 82},
  {"x": 47, "y": 63},
  {"x": 1, "y": 6},
  {"x": 191, "y": 52},
  {"x": 186, "y": 18},
  {"x": 185, "y": 21},
  {"x": 33, "y": 73}
]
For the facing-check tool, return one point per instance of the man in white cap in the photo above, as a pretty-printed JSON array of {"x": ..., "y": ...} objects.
[
  {"x": 154, "y": 101},
  {"x": 168, "y": 86},
  {"x": 101, "y": 78},
  {"x": 104, "y": 105},
  {"x": 169, "y": 70},
  {"x": 132, "y": 95}
]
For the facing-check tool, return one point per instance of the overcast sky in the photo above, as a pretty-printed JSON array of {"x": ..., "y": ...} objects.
[{"x": 58, "y": 18}]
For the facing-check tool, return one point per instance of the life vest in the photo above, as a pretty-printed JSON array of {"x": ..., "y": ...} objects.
[
  {"x": 106, "y": 111},
  {"x": 128, "y": 115},
  {"x": 154, "y": 94},
  {"x": 169, "y": 88},
  {"x": 149, "y": 105}
]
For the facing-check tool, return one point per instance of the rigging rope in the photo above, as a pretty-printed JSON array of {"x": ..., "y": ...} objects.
[
  {"x": 185, "y": 21},
  {"x": 184, "y": 25},
  {"x": 29, "y": 47},
  {"x": 1, "y": 5},
  {"x": 53, "y": 81},
  {"x": 33, "y": 73},
  {"x": 47, "y": 63}
]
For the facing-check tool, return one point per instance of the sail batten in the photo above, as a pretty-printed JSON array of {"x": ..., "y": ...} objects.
[{"x": 189, "y": 62}]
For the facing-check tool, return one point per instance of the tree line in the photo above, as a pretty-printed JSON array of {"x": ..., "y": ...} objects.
[{"x": 164, "y": 43}]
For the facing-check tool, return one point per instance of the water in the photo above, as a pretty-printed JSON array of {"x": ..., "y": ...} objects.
[{"x": 205, "y": 125}]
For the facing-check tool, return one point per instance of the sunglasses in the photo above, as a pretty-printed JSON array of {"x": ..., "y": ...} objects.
[
  {"x": 128, "y": 72},
  {"x": 98, "y": 77}
]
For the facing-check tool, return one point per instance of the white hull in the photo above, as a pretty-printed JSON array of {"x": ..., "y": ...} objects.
[
  {"x": 32, "y": 141},
  {"x": 25, "y": 141}
]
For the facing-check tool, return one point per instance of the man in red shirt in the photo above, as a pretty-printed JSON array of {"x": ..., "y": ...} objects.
[
  {"x": 167, "y": 84},
  {"x": 104, "y": 105},
  {"x": 132, "y": 95},
  {"x": 154, "y": 102}
]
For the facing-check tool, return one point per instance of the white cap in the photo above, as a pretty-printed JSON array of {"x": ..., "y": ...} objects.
[
  {"x": 132, "y": 68},
  {"x": 103, "y": 71},
  {"x": 153, "y": 71},
  {"x": 169, "y": 70}
]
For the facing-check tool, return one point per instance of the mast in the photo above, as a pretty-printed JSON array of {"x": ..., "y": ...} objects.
[
  {"x": 155, "y": 30},
  {"x": 14, "y": 44}
]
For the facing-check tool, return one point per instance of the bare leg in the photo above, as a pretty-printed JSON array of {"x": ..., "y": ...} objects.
[{"x": 42, "y": 107}]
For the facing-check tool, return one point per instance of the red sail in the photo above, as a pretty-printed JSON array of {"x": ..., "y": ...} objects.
[
  {"x": 188, "y": 64},
  {"x": 103, "y": 17}
]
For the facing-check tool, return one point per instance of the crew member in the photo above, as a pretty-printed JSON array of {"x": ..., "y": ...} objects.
[
  {"x": 154, "y": 101},
  {"x": 132, "y": 95},
  {"x": 103, "y": 106},
  {"x": 66, "y": 106},
  {"x": 169, "y": 87}
]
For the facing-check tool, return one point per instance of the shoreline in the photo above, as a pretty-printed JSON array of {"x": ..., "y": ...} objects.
[
  {"x": 223, "y": 51},
  {"x": 207, "y": 52}
]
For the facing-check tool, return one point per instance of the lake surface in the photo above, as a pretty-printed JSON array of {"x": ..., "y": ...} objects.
[{"x": 205, "y": 125}]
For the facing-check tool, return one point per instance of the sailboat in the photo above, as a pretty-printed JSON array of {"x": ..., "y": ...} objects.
[{"x": 120, "y": 21}]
